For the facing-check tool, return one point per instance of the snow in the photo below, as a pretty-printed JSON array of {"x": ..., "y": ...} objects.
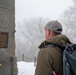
[{"x": 26, "y": 68}]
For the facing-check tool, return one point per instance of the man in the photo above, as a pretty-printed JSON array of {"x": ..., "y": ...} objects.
[{"x": 49, "y": 57}]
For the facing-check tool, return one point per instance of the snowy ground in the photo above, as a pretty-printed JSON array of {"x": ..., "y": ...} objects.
[{"x": 25, "y": 68}]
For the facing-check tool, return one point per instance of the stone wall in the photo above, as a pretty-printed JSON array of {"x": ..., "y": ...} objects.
[{"x": 7, "y": 29}]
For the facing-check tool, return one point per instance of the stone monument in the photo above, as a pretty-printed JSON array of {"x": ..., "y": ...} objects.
[{"x": 7, "y": 36}]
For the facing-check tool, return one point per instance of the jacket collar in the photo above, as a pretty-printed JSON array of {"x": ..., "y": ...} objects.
[{"x": 59, "y": 39}]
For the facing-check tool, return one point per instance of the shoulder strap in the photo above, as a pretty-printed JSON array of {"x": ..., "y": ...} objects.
[
  {"x": 55, "y": 46},
  {"x": 59, "y": 49}
]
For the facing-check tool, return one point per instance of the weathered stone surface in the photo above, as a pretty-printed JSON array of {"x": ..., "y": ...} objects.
[{"x": 7, "y": 29}]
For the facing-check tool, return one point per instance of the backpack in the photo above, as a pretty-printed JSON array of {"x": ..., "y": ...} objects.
[{"x": 69, "y": 58}]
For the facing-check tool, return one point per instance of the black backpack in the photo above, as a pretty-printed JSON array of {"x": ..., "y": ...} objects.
[{"x": 69, "y": 58}]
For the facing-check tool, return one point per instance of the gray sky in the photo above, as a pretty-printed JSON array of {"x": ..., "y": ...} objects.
[{"x": 40, "y": 8}]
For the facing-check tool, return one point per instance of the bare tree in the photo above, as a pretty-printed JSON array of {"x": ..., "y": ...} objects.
[
  {"x": 68, "y": 20},
  {"x": 28, "y": 37}
]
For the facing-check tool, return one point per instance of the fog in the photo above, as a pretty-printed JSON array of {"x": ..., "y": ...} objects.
[{"x": 40, "y": 8}]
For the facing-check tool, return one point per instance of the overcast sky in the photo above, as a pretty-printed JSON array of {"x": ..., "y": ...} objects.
[{"x": 40, "y": 8}]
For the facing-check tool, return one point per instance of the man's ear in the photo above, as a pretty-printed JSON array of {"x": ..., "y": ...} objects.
[{"x": 48, "y": 32}]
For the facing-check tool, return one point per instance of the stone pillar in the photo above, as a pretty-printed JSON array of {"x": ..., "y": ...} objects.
[{"x": 7, "y": 29}]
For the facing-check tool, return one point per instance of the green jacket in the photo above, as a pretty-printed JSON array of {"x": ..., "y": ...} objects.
[{"x": 50, "y": 58}]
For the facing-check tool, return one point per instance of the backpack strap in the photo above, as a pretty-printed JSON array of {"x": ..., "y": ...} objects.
[{"x": 57, "y": 47}]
